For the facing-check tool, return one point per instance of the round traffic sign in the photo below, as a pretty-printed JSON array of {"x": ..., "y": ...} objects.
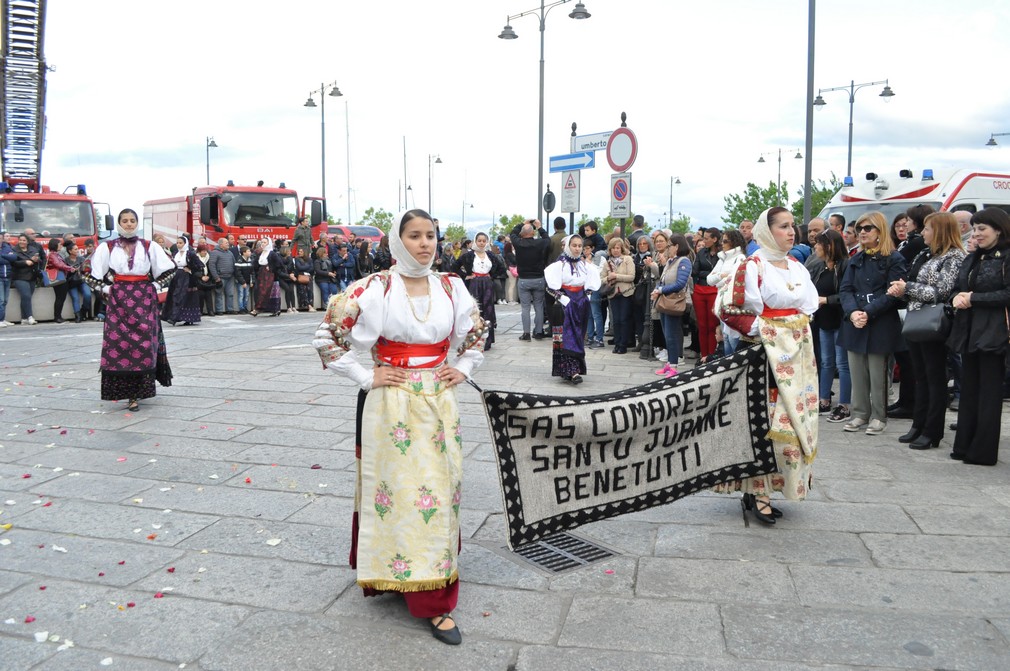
[
  {"x": 549, "y": 201},
  {"x": 622, "y": 149},
  {"x": 620, "y": 189}
]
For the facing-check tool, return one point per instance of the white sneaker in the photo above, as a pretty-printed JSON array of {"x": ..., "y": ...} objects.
[
  {"x": 31, "y": 321},
  {"x": 7, "y": 323},
  {"x": 3, "y": 324},
  {"x": 875, "y": 428},
  {"x": 855, "y": 424}
]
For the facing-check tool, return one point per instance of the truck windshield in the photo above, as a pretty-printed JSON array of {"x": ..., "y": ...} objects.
[
  {"x": 853, "y": 211},
  {"x": 259, "y": 209},
  {"x": 48, "y": 218}
]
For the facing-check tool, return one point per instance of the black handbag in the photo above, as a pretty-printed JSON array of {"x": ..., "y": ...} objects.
[{"x": 930, "y": 323}]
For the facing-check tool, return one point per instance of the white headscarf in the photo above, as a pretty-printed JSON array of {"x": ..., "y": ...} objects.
[
  {"x": 566, "y": 248},
  {"x": 181, "y": 252},
  {"x": 406, "y": 264},
  {"x": 265, "y": 254},
  {"x": 763, "y": 236}
]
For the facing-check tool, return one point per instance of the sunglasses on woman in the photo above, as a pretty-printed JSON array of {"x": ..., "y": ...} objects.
[{"x": 866, "y": 228}]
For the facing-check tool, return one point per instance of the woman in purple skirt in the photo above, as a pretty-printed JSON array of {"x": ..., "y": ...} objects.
[
  {"x": 570, "y": 280},
  {"x": 125, "y": 270},
  {"x": 183, "y": 302},
  {"x": 478, "y": 267}
]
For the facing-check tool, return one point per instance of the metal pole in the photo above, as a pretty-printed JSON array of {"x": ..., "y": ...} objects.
[
  {"x": 540, "y": 152},
  {"x": 405, "y": 206},
  {"x": 809, "y": 153},
  {"x": 429, "y": 183},
  {"x": 347, "y": 125},
  {"x": 778, "y": 183},
  {"x": 852, "y": 104},
  {"x": 207, "y": 143},
  {"x": 571, "y": 215},
  {"x": 669, "y": 221},
  {"x": 322, "y": 135}
]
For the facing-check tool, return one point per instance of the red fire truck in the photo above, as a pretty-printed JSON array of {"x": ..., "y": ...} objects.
[{"x": 215, "y": 212}]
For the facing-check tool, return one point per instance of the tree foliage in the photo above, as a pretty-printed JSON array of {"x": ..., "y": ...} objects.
[
  {"x": 681, "y": 224},
  {"x": 753, "y": 201},
  {"x": 454, "y": 233},
  {"x": 378, "y": 218},
  {"x": 820, "y": 194}
]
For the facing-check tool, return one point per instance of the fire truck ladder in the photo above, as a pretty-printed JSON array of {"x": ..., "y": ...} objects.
[{"x": 23, "y": 93}]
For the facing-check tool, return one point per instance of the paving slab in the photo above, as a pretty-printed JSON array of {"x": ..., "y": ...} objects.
[
  {"x": 325, "y": 510},
  {"x": 715, "y": 581},
  {"x": 20, "y": 653},
  {"x": 263, "y": 583},
  {"x": 199, "y": 471},
  {"x": 33, "y": 553},
  {"x": 545, "y": 658},
  {"x": 644, "y": 625},
  {"x": 622, "y": 535},
  {"x": 305, "y": 480},
  {"x": 12, "y": 450},
  {"x": 325, "y": 456},
  {"x": 295, "y": 437},
  {"x": 614, "y": 575},
  {"x": 900, "y": 493},
  {"x": 9, "y": 581},
  {"x": 485, "y": 566},
  {"x": 85, "y": 460},
  {"x": 919, "y": 591},
  {"x": 105, "y": 520},
  {"x": 20, "y": 477},
  {"x": 941, "y": 553},
  {"x": 946, "y": 520},
  {"x": 101, "y": 438},
  {"x": 93, "y": 487},
  {"x": 187, "y": 448},
  {"x": 173, "y": 629},
  {"x": 762, "y": 545},
  {"x": 895, "y": 639},
  {"x": 299, "y": 542},
  {"x": 222, "y": 501},
  {"x": 269, "y": 641},
  {"x": 76, "y": 658},
  {"x": 192, "y": 428}
]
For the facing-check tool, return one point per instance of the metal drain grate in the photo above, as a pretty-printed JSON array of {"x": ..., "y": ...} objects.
[{"x": 562, "y": 552}]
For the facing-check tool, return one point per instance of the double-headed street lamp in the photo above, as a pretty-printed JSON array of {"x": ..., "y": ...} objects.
[
  {"x": 778, "y": 183},
  {"x": 335, "y": 92},
  {"x": 211, "y": 144},
  {"x": 430, "y": 163},
  {"x": 992, "y": 139},
  {"x": 886, "y": 94},
  {"x": 508, "y": 34}
]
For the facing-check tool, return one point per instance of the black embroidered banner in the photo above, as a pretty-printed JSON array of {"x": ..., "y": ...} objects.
[{"x": 564, "y": 462}]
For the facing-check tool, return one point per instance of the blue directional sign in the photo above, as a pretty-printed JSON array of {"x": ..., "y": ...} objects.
[{"x": 578, "y": 161}]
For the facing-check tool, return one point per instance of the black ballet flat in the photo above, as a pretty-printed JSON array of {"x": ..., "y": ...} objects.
[{"x": 447, "y": 636}]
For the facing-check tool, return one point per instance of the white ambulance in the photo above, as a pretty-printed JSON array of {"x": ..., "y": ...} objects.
[{"x": 944, "y": 190}]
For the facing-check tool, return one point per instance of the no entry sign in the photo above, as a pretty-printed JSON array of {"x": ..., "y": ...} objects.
[{"x": 622, "y": 149}]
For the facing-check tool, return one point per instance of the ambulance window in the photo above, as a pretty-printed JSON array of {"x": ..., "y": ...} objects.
[{"x": 964, "y": 207}]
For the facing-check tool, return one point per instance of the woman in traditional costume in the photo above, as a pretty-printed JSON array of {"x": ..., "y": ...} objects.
[
  {"x": 568, "y": 281},
  {"x": 407, "y": 337},
  {"x": 778, "y": 290},
  {"x": 478, "y": 267},
  {"x": 133, "y": 346},
  {"x": 267, "y": 267},
  {"x": 183, "y": 301}
]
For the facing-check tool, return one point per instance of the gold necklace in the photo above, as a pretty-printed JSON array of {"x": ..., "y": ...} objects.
[{"x": 410, "y": 302}]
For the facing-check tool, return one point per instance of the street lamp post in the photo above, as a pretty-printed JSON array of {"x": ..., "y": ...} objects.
[
  {"x": 673, "y": 180},
  {"x": 778, "y": 183},
  {"x": 508, "y": 34},
  {"x": 211, "y": 144},
  {"x": 463, "y": 215},
  {"x": 992, "y": 139},
  {"x": 430, "y": 163},
  {"x": 335, "y": 92},
  {"x": 886, "y": 94}
]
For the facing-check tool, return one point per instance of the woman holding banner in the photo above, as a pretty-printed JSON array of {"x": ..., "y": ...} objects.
[
  {"x": 407, "y": 337},
  {"x": 568, "y": 281},
  {"x": 778, "y": 296}
]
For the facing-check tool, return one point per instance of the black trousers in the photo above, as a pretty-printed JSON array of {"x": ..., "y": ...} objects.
[
  {"x": 929, "y": 368},
  {"x": 61, "y": 290},
  {"x": 978, "y": 416}
]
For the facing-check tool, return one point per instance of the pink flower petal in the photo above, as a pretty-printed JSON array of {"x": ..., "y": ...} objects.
[
  {"x": 29, "y": 619},
  {"x": 120, "y": 458},
  {"x": 158, "y": 595},
  {"x": 63, "y": 432},
  {"x": 171, "y": 569}
]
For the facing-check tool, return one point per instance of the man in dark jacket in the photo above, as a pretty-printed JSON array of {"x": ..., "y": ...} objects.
[
  {"x": 558, "y": 238},
  {"x": 532, "y": 248},
  {"x": 222, "y": 268}
]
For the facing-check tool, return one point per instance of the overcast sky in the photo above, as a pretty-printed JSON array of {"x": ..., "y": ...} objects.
[{"x": 707, "y": 87}]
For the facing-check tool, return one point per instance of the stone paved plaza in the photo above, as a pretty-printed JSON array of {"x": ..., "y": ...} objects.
[{"x": 210, "y": 530}]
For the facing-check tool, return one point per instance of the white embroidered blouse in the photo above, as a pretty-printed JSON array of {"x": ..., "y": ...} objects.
[
  {"x": 392, "y": 316},
  {"x": 102, "y": 261},
  {"x": 560, "y": 273},
  {"x": 781, "y": 288}
]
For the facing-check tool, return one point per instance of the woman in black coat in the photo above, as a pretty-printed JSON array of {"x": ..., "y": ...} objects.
[
  {"x": 979, "y": 335},
  {"x": 871, "y": 329},
  {"x": 478, "y": 267}
]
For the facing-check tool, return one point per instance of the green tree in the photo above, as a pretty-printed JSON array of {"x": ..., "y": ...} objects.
[
  {"x": 608, "y": 224},
  {"x": 378, "y": 218},
  {"x": 820, "y": 194},
  {"x": 681, "y": 223},
  {"x": 505, "y": 224},
  {"x": 454, "y": 233},
  {"x": 753, "y": 201}
]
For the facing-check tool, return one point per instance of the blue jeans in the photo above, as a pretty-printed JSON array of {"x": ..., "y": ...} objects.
[
  {"x": 326, "y": 290},
  {"x": 673, "y": 331},
  {"x": 730, "y": 340},
  {"x": 5, "y": 290},
  {"x": 80, "y": 296},
  {"x": 224, "y": 296},
  {"x": 243, "y": 297},
  {"x": 25, "y": 289},
  {"x": 594, "y": 329},
  {"x": 834, "y": 357}
]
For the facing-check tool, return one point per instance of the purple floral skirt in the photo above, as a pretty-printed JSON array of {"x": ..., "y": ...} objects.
[
  {"x": 568, "y": 330},
  {"x": 133, "y": 346}
]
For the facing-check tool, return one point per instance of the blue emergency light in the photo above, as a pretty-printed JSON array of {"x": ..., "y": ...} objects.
[
  {"x": 847, "y": 181},
  {"x": 82, "y": 190},
  {"x": 927, "y": 174},
  {"x": 283, "y": 185},
  {"x": 231, "y": 182}
]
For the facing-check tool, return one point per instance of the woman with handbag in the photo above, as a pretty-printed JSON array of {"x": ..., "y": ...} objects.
[
  {"x": 620, "y": 274},
  {"x": 829, "y": 247},
  {"x": 979, "y": 334},
  {"x": 304, "y": 272},
  {"x": 640, "y": 303},
  {"x": 871, "y": 328},
  {"x": 205, "y": 281},
  {"x": 55, "y": 262},
  {"x": 568, "y": 280},
  {"x": 670, "y": 296},
  {"x": 477, "y": 267},
  {"x": 778, "y": 297},
  {"x": 267, "y": 267},
  {"x": 512, "y": 281},
  {"x": 80, "y": 292},
  {"x": 183, "y": 301},
  {"x": 27, "y": 268},
  {"x": 930, "y": 286}
]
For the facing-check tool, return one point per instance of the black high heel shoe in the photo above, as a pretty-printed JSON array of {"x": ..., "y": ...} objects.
[
  {"x": 750, "y": 502},
  {"x": 912, "y": 434},
  {"x": 923, "y": 443}
]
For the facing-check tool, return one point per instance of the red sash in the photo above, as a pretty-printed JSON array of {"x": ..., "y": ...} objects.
[
  {"x": 568, "y": 287},
  {"x": 772, "y": 313},
  {"x": 131, "y": 278},
  {"x": 398, "y": 354}
]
